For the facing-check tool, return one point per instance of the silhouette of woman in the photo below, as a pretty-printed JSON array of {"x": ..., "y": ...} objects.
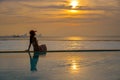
[{"x": 34, "y": 43}]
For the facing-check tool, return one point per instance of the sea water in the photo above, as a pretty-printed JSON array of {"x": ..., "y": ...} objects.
[
  {"x": 64, "y": 65},
  {"x": 63, "y": 43}
]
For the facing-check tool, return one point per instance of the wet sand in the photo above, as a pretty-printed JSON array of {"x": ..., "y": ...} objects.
[{"x": 62, "y": 66}]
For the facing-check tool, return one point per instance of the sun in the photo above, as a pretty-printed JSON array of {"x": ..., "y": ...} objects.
[{"x": 74, "y": 3}]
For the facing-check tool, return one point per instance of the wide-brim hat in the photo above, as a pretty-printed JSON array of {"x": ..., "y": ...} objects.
[{"x": 32, "y": 31}]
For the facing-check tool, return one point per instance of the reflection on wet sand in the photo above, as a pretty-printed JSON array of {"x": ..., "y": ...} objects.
[
  {"x": 74, "y": 64},
  {"x": 34, "y": 60},
  {"x": 74, "y": 68}
]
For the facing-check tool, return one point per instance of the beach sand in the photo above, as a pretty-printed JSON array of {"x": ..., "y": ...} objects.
[{"x": 62, "y": 66}]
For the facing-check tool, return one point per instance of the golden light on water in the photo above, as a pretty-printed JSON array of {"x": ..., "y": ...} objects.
[
  {"x": 74, "y": 61},
  {"x": 75, "y": 38},
  {"x": 74, "y": 67}
]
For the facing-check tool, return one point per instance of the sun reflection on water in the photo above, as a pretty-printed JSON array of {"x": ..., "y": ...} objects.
[
  {"x": 74, "y": 68},
  {"x": 74, "y": 64},
  {"x": 74, "y": 43},
  {"x": 75, "y": 38}
]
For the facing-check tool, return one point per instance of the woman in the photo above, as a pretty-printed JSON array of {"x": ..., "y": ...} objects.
[{"x": 34, "y": 43}]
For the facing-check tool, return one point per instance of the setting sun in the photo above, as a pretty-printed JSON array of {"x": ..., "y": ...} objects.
[{"x": 74, "y": 3}]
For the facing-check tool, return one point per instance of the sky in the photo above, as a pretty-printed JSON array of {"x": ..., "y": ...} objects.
[{"x": 60, "y": 17}]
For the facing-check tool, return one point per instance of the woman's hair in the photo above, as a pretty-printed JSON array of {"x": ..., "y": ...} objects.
[{"x": 32, "y": 32}]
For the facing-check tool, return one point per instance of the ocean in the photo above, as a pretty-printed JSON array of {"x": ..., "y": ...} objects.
[
  {"x": 62, "y": 65},
  {"x": 63, "y": 43}
]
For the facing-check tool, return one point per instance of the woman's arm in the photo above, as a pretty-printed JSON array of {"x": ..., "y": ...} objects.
[
  {"x": 29, "y": 46},
  {"x": 30, "y": 42}
]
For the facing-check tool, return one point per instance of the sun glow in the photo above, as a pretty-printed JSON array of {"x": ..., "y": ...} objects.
[
  {"x": 74, "y": 3},
  {"x": 73, "y": 11}
]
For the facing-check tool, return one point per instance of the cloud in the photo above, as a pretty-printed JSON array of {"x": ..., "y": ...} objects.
[
  {"x": 53, "y": 11},
  {"x": 47, "y": 7},
  {"x": 118, "y": 2},
  {"x": 103, "y": 5},
  {"x": 63, "y": 6},
  {"x": 30, "y": 0},
  {"x": 98, "y": 8}
]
